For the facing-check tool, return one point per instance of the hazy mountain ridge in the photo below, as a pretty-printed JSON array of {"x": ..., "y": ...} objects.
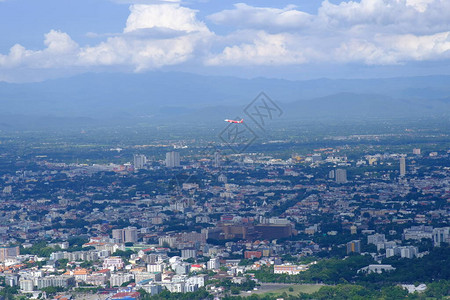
[{"x": 158, "y": 96}]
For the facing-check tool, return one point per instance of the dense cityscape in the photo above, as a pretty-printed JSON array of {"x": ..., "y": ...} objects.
[
  {"x": 369, "y": 215},
  {"x": 225, "y": 150}
]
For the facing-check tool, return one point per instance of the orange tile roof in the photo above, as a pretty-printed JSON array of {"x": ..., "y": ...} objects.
[
  {"x": 81, "y": 272},
  {"x": 103, "y": 271}
]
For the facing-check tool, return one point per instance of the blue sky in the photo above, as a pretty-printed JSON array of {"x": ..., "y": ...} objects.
[{"x": 282, "y": 39}]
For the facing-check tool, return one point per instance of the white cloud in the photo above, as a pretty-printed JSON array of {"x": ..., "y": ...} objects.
[
  {"x": 362, "y": 51},
  {"x": 171, "y": 16},
  {"x": 59, "y": 52},
  {"x": 387, "y": 50},
  {"x": 140, "y": 54},
  {"x": 164, "y": 33},
  {"x": 419, "y": 5},
  {"x": 391, "y": 16},
  {"x": 267, "y": 18},
  {"x": 155, "y": 36},
  {"x": 59, "y": 42},
  {"x": 265, "y": 49},
  {"x": 370, "y": 32},
  {"x": 411, "y": 47},
  {"x": 146, "y": 1}
]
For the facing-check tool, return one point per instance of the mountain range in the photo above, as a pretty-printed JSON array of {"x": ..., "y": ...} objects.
[{"x": 116, "y": 98}]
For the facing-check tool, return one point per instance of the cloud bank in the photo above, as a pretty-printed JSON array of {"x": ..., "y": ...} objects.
[{"x": 166, "y": 33}]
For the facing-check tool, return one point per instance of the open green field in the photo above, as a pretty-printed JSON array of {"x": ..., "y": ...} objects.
[{"x": 267, "y": 289}]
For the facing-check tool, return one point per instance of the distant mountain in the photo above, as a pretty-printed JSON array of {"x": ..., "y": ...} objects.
[
  {"x": 157, "y": 96},
  {"x": 349, "y": 105}
]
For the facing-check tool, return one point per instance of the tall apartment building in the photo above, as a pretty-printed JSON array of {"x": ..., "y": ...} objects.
[
  {"x": 217, "y": 159},
  {"x": 402, "y": 166},
  {"x": 441, "y": 235},
  {"x": 130, "y": 235},
  {"x": 139, "y": 161},
  {"x": 172, "y": 159},
  {"x": 188, "y": 253},
  {"x": 8, "y": 252},
  {"x": 213, "y": 263},
  {"x": 125, "y": 235},
  {"x": 26, "y": 285},
  {"x": 117, "y": 235},
  {"x": 341, "y": 176},
  {"x": 354, "y": 246}
]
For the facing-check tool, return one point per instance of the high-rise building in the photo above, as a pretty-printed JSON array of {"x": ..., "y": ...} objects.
[
  {"x": 331, "y": 174},
  {"x": 172, "y": 159},
  {"x": 408, "y": 251},
  {"x": 139, "y": 161},
  {"x": 26, "y": 285},
  {"x": 216, "y": 159},
  {"x": 117, "y": 235},
  {"x": 188, "y": 253},
  {"x": 354, "y": 246},
  {"x": 416, "y": 151},
  {"x": 125, "y": 235},
  {"x": 402, "y": 166},
  {"x": 341, "y": 176},
  {"x": 213, "y": 263},
  {"x": 8, "y": 252},
  {"x": 441, "y": 235},
  {"x": 130, "y": 235}
]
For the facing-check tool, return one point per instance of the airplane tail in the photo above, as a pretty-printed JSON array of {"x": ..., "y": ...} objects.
[{"x": 241, "y": 121}]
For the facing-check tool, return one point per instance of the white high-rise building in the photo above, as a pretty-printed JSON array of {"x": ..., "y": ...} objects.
[
  {"x": 441, "y": 235},
  {"x": 331, "y": 174},
  {"x": 216, "y": 159},
  {"x": 139, "y": 161},
  {"x": 125, "y": 235},
  {"x": 130, "y": 235},
  {"x": 213, "y": 263},
  {"x": 341, "y": 176},
  {"x": 26, "y": 285},
  {"x": 172, "y": 159},
  {"x": 402, "y": 166},
  {"x": 117, "y": 234}
]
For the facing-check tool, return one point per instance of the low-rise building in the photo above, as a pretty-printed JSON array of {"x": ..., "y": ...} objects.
[
  {"x": 289, "y": 269},
  {"x": 376, "y": 269}
]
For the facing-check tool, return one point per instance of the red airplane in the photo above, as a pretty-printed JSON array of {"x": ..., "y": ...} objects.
[{"x": 234, "y": 121}]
